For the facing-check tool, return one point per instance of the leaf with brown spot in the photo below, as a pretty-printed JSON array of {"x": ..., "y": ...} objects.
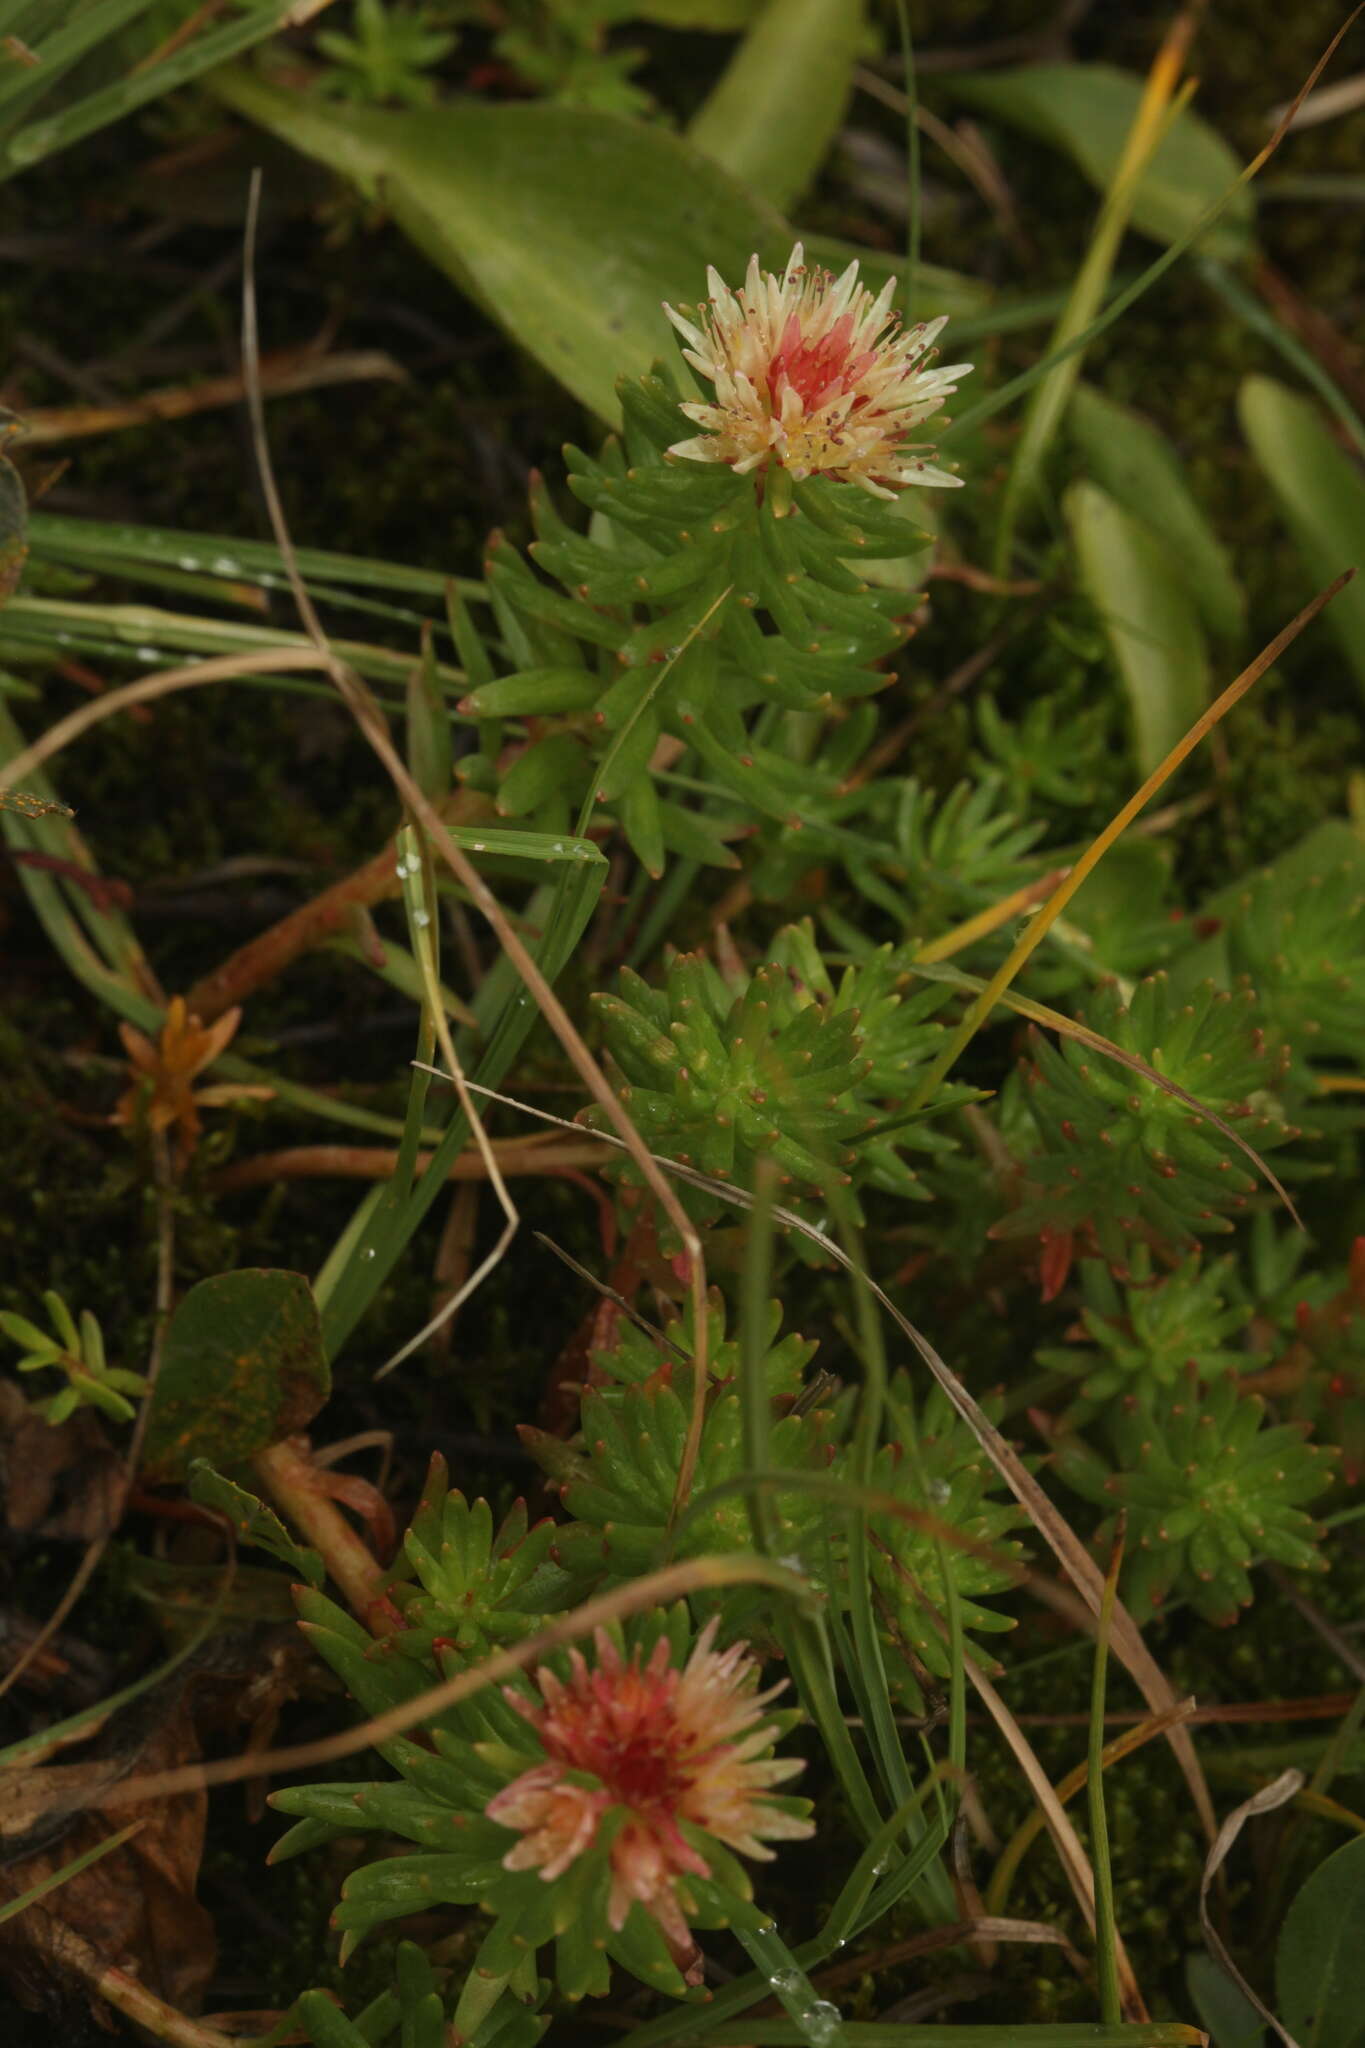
[{"x": 243, "y": 1367}]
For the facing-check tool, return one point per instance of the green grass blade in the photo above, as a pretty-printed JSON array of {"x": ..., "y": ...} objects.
[
  {"x": 57, "y": 1878},
  {"x": 56, "y": 54},
  {"x": 45, "y": 138},
  {"x": 1263, "y": 323}
]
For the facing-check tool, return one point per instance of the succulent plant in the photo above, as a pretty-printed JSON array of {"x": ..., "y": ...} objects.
[
  {"x": 948, "y": 1477},
  {"x": 1299, "y": 939},
  {"x": 725, "y": 1069},
  {"x": 1209, "y": 1486},
  {"x": 1147, "y": 1334},
  {"x": 618, "y": 1479},
  {"x": 1120, "y": 1160},
  {"x": 476, "y": 1587},
  {"x": 598, "y": 1808},
  {"x": 692, "y": 598}
]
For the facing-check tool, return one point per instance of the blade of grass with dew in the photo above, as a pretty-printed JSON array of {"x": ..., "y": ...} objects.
[
  {"x": 980, "y": 1008},
  {"x": 1320, "y": 492},
  {"x": 1157, "y": 109},
  {"x": 1149, "y": 619},
  {"x": 772, "y": 114},
  {"x": 1136, "y": 465},
  {"x": 148, "y": 634},
  {"x": 815, "y": 2022},
  {"x": 395, "y": 1216},
  {"x": 83, "y": 117}
]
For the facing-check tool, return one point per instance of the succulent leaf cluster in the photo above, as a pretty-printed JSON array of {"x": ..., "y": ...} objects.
[
  {"x": 1118, "y": 1159},
  {"x": 1209, "y": 1486},
  {"x": 477, "y": 1587},
  {"x": 1300, "y": 942},
  {"x": 934, "y": 1465},
  {"x": 1130, "y": 1339},
  {"x": 693, "y": 598},
  {"x": 724, "y": 1069},
  {"x": 617, "y": 1480}
]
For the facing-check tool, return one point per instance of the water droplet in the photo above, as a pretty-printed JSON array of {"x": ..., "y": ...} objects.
[
  {"x": 558, "y": 846},
  {"x": 821, "y": 2022},
  {"x": 421, "y": 918},
  {"x": 940, "y": 1492},
  {"x": 223, "y": 565},
  {"x": 368, "y": 1252},
  {"x": 146, "y": 654},
  {"x": 189, "y": 562}
]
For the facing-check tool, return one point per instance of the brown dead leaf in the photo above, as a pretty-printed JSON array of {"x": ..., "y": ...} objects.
[
  {"x": 136, "y": 1907},
  {"x": 61, "y": 1481}
]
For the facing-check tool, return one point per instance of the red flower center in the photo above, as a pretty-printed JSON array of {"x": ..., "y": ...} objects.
[
  {"x": 816, "y": 371},
  {"x": 623, "y": 1730}
]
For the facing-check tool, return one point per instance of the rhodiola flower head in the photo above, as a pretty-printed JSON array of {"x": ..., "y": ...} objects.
[
  {"x": 813, "y": 374},
  {"x": 668, "y": 1756}
]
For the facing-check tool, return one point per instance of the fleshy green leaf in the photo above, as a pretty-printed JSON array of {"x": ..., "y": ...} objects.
[
  {"x": 252, "y": 1521},
  {"x": 1087, "y": 110},
  {"x": 1149, "y": 617},
  {"x": 781, "y": 98},
  {"x": 243, "y": 1367},
  {"x": 1321, "y": 493},
  {"x": 570, "y": 227},
  {"x": 1320, "y": 1962},
  {"x": 1127, "y": 457}
]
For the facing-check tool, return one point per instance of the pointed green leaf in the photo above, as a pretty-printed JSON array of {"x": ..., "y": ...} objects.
[
  {"x": 252, "y": 1521},
  {"x": 1321, "y": 493},
  {"x": 1148, "y": 616}
]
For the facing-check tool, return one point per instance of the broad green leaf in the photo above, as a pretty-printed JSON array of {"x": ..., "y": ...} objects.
[
  {"x": 1130, "y": 459},
  {"x": 570, "y": 227},
  {"x": 1148, "y": 616},
  {"x": 243, "y": 1366},
  {"x": 1231, "y": 2021},
  {"x": 1321, "y": 493},
  {"x": 1320, "y": 1962},
  {"x": 780, "y": 101},
  {"x": 1087, "y": 110},
  {"x": 252, "y": 1521}
]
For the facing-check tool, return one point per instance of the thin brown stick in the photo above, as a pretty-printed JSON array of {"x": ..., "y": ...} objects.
[
  {"x": 655, "y": 1590},
  {"x": 288, "y": 371},
  {"x": 377, "y": 1162},
  {"x": 288, "y": 1474}
]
